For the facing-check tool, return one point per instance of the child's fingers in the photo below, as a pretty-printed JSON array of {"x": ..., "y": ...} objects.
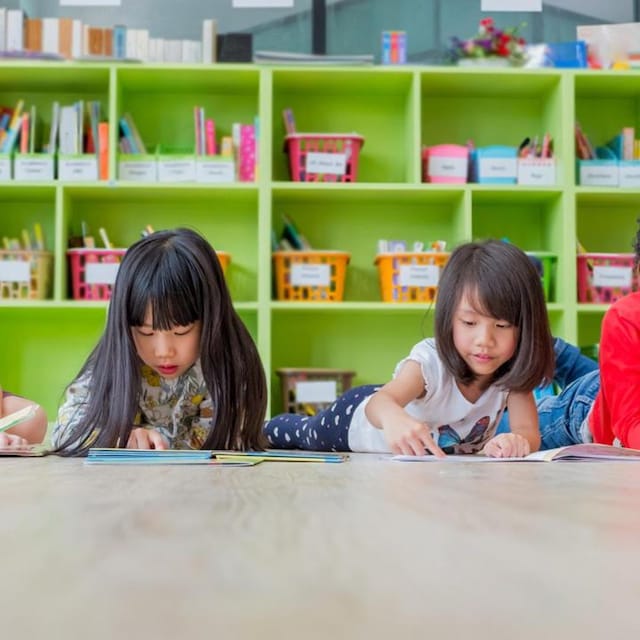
[
  {"x": 8, "y": 440},
  {"x": 156, "y": 441},
  {"x": 429, "y": 444}
]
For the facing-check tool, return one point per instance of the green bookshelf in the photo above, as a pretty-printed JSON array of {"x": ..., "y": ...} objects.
[{"x": 397, "y": 110}]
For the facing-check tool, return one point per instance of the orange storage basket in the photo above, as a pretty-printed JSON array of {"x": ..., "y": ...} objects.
[
  {"x": 224, "y": 259},
  {"x": 310, "y": 276},
  {"x": 410, "y": 277},
  {"x": 344, "y": 147},
  {"x": 25, "y": 274}
]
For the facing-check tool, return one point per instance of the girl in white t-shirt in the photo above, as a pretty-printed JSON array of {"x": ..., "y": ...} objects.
[{"x": 492, "y": 347}]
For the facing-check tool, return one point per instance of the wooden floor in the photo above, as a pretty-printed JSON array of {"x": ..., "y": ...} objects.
[{"x": 365, "y": 549}]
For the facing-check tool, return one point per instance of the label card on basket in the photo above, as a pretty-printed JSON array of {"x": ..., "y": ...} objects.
[
  {"x": 612, "y": 276},
  {"x": 314, "y": 275},
  {"x": 333, "y": 163},
  {"x": 220, "y": 170},
  {"x": 81, "y": 168},
  {"x": 319, "y": 391},
  {"x": 5, "y": 167},
  {"x": 418, "y": 275},
  {"x": 101, "y": 272},
  {"x": 15, "y": 271}
]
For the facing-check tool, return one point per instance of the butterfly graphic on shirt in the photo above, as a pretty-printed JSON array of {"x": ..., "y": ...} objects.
[{"x": 449, "y": 439}]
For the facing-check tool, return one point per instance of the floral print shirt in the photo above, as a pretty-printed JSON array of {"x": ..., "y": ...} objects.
[{"x": 180, "y": 409}]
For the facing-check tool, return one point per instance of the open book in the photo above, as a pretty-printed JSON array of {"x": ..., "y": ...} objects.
[{"x": 574, "y": 452}]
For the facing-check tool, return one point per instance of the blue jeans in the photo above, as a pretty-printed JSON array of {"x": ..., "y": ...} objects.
[{"x": 562, "y": 416}]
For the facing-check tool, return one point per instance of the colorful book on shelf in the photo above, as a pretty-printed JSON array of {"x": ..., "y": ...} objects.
[{"x": 575, "y": 452}]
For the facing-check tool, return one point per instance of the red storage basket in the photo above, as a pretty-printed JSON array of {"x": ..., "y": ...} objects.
[
  {"x": 605, "y": 277},
  {"x": 341, "y": 152},
  {"x": 93, "y": 272}
]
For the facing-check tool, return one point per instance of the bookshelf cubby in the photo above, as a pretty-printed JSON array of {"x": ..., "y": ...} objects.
[{"x": 397, "y": 110}]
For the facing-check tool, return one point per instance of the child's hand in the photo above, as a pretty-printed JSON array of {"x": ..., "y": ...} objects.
[
  {"x": 9, "y": 440},
  {"x": 411, "y": 438},
  {"x": 141, "y": 438},
  {"x": 507, "y": 445}
]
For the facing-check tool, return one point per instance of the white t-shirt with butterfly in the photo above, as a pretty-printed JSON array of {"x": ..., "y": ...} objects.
[{"x": 456, "y": 424}]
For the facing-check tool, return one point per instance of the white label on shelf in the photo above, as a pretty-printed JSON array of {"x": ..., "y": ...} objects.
[
  {"x": 448, "y": 167},
  {"x": 30, "y": 169},
  {"x": 511, "y": 5},
  {"x": 101, "y": 272},
  {"x": 15, "y": 271},
  {"x": 598, "y": 175},
  {"x": 612, "y": 276},
  {"x": 310, "y": 275},
  {"x": 215, "y": 170},
  {"x": 254, "y": 4},
  {"x": 5, "y": 168},
  {"x": 183, "y": 170},
  {"x": 497, "y": 168},
  {"x": 540, "y": 171},
  {"x": 80, "y": 169},
  {"x": 630, "y": 175},
  {"x": 90, "y": 3},
  {"x": 319, "y": 391},
  {"x": 333, "y": 163},
  {"x": 137, "y": 170}
]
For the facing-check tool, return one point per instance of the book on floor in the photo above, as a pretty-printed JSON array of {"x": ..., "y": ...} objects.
[
  {"x": 571, "y": 453},
  {"x": 23, "y": 451},
  {"x": 99, "y": 455}
]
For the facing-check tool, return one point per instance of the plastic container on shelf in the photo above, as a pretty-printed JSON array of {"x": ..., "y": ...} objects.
[
  {"x": 25, "y": 274},
  {"x": 310, "y": 276},
  {"x": 445, "y": 163},
  {"x": 410, "y": 276},
  {"x": 323, "y": 157},
  {"x": 93, "y": 272},
  {"x": 311, "y": 390},
  {"x": 605, "y": 277},
  {"x": 224, "y": 259},
  {"x": 547, "y": 267}
]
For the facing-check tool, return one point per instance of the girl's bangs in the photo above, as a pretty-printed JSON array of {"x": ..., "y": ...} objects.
[
  {"x": 172, "y": 300},
  {"x": 495, "y": 300}
]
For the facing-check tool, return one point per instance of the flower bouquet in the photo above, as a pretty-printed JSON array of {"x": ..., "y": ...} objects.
[{"x": 491, "y": 44}]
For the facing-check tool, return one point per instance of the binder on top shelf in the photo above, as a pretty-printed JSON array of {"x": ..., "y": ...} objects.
[{"x": 74, "y": 163}]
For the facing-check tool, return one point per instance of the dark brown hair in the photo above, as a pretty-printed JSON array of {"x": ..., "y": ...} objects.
[
  {"x": 177, "y": 274},
  {"x": 501, "y": 282}
]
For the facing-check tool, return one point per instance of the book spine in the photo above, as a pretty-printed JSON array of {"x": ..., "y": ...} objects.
[
  {"x": 211, "y": 136},
  {"x": 103, "y": 150},
  {"x": 247, "y": 158}
]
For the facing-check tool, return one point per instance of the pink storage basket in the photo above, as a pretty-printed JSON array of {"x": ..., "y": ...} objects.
[
  {"x": 93, "y": 272},
  {"x": 445, "y": 163},
  {"x": 340, "y": 156},
  {"x": 605, "y": 277}
]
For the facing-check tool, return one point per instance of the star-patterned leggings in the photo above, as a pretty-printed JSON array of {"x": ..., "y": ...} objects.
[{"x": 326, "y": 431}]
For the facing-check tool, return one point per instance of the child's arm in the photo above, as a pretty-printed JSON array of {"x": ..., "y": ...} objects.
[
  {"x": 385, "y": 410},
  {"x": 525, "y": 431},
  {"x": 31, "y": 431}
]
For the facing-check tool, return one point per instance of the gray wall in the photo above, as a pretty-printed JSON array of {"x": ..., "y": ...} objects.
[{"x": 353, "y": 26}]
